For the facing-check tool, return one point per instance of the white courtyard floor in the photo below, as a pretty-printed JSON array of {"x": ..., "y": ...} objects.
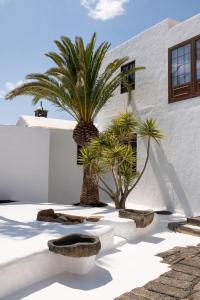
[{"x": 127, "y": 260}]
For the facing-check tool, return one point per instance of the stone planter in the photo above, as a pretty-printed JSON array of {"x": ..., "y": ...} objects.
[
  {"x": 141, "y": 218},
  {"x": 75, "y": 245},
  {"x": 77, "y": 252}
]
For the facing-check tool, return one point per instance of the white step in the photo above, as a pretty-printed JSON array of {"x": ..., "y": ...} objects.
[{"x": 119, "y": 241}]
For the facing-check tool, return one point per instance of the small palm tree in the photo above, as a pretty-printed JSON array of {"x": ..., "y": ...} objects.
[
  {"x": 77, "y": 85},
  {"x": 112, "y": 153}
]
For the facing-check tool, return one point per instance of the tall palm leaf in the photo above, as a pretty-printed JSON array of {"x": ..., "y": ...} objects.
[{"x": 76, "y": 85}]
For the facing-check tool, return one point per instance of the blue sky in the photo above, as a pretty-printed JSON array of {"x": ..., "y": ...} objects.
[{"x": 29, "y": 27}]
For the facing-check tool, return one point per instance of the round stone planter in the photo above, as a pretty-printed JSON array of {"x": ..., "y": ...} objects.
[
  {"x": 141, "y": 218},
  {"x": 75, "y": 245},
  {"x": 77, "y": 252}
]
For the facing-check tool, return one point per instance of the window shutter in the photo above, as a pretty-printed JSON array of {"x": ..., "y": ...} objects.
[{"x": 181, "y": 92}]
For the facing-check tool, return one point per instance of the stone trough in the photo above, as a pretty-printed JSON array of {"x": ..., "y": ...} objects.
[
  {"x": 142, "y": 218},
  {"x": 78, "y": 251}
]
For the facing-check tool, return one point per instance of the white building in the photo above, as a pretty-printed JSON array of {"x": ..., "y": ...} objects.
[
  {"x": 173, "y": 175},
  {"x": 38, "y": 156}
]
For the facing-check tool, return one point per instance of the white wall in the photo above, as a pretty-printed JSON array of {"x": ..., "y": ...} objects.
[
  {"x": 173, "y": 174},
  {"x": 24, "y": 164},
  {"x": 38, "y": 165},
  {"x": 65, "y": 176}
]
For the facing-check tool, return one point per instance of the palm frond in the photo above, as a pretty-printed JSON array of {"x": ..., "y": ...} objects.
[
  {"x": 149, "y": 128},
  {"x": 75, "y": 83}
]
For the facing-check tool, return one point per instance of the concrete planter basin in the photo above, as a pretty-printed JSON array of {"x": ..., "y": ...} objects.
[
  {"x": 77, "y": 251},
  {"x": 76, "y": 245},
  {"x": 141, "y": 218}
]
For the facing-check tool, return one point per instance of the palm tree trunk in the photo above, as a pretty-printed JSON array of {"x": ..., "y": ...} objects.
[
  {"x": 82, "y": 135},
  {"x": 90, "y": 191}
]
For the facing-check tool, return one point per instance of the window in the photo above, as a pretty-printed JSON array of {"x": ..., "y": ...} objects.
[
  {"x": 198, "y": 58},
  {"x": 184, "y": 70},
  {"x": 133, "y": 144},
  {"x": 130, "y": 79}
]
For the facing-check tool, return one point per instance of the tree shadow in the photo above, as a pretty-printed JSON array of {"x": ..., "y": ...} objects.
[
  {"x": 94, "y": 279},
  {"x": 166, "y": 176},
  {"x": 25, "y": 230},
  {"x": 170, "y": 173}
]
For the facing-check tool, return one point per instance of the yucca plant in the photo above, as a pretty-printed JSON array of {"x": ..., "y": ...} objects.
[
  {"x": 77, "y": 85},
  {"x": 112, "y": 153}
]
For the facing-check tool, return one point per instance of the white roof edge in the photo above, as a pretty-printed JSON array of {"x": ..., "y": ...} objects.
[
  {"x": 188, "y": 20},
  {"x": 31, "y": 121},
  {"x": 171, "y": 23},
  {"x": 40, "y": 122}
]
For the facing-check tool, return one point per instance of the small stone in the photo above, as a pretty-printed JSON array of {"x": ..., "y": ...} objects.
[
  {"x": 125, "y": 296},
  {"x": 45, "y": 215},
  {"x": 179, "y": 275},
  {"x": 194, "y": 296},
  {"x": 193, "y": 262},
  {"x": 167, "y": 290},
  {"x": 150, "y": 294},
  {"x": 175, "y": 250},
  {"x": 186, "y": 269},
  {"x": 94, "y": 218},
  {"x": 174, "y": 282},
  {"x": 173, "y": 259},
  {"x": 197, "y": 287}
]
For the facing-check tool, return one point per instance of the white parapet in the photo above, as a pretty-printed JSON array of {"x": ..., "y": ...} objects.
[
  {"x": 29, "y": 270},
  {"x": 30, "y": 266}
]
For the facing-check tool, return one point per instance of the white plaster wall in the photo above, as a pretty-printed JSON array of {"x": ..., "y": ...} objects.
[
  {"x": 65, "y": 176},
  {"x": 173, "y": 174},
  {"x": 24, "y": 163}
]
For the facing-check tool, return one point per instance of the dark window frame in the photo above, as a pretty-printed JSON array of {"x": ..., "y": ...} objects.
[
  {"x": 134, "y": 145},
  {"x": 186, "y": 90},
  {"x": 132, "y": 84}
]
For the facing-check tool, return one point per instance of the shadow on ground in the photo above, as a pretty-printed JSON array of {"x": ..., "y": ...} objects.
[{"x": 93, "y": 280}]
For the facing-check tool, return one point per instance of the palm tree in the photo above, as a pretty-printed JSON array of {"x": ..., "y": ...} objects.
[{"x": 76, "y": 85}]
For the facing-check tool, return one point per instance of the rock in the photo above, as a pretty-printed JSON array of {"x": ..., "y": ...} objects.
[
  {"x": 174, "y": 282},
  {"x": 150, "y": 294},
  {"x": 94, "y": 218},
  {"x": 70, "y": 218},
  {"x": 46, "y": 215},
  {"x": 179, "y": 275},
  {"x": 75, "y": 245},
  {"x": 186, "y": 269},
  {"x": 167, "y": 290}
]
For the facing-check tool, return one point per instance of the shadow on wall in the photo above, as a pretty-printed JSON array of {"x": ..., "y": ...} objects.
[
  {"x": 171, "y": 175},
  {"x": 167, "y": 178}
]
